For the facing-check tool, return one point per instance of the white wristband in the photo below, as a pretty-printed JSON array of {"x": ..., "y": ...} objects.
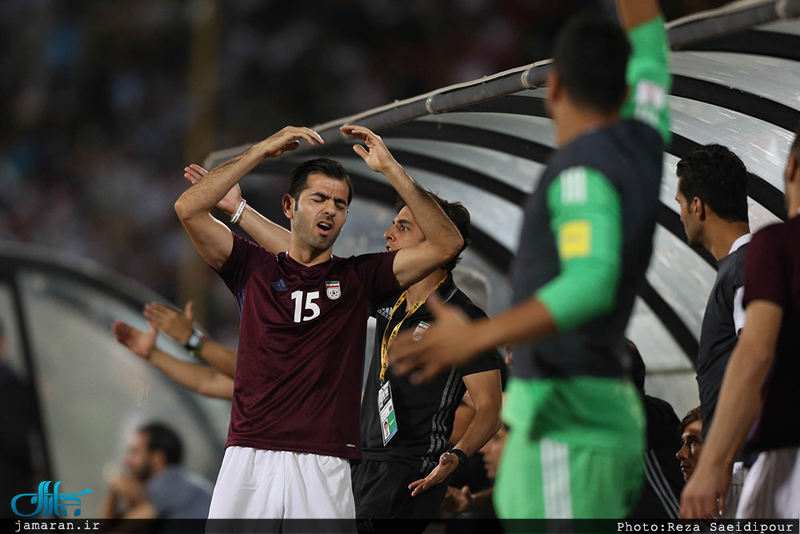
[{"x": 238, "y": 214}]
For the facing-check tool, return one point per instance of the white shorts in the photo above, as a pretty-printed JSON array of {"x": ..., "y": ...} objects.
[
  {"x": 259, "y": 484},
  {"x": 772, "y": 488},
  {"x": 738, "y": 476}
]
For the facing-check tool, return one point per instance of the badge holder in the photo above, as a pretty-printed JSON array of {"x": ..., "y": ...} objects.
[{"x": 386, "y": 413}]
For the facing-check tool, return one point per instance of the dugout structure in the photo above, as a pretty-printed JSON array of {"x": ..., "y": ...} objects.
[
  {"x": 736, "y": 81},
  {"x": 89, "y": 393}
]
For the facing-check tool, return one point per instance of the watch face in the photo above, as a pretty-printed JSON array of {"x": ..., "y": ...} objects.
[{"x": 193, "y": 341}]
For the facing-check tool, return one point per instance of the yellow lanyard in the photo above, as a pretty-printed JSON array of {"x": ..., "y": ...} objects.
[{"x": 385, "y": 343}]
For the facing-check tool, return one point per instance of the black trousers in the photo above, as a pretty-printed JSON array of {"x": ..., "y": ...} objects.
[{"x": 381, "y": 493}]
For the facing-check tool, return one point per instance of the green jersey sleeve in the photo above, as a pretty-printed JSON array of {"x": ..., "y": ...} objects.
[
  {"x": 586, "y": 220},
  {"x": 649, "y": 80}
]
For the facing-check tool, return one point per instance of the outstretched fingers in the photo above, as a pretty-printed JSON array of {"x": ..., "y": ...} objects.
[
  {"x": 289, "y": 139},
  {"x": 419, "y": 486},
  {"x": 295, "y": 133},
  {"x": 361, "y": 151},
  {"x": 122, "y": 331},
  {"x": 188, "y": 310},
  {"x": 416, "y": 483},
  {"x": 413, "y": 358},
  {"x": 156, "y": 312},
  {"x": 194, "y": 173},
  {"x": 365, "y": 134},
  {"x": 291, "y": 145}
]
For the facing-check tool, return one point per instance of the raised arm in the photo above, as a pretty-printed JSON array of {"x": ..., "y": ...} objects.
[
  {"x": 201, "y": 379},
  {"x": 179, "y": 326},
  {"x": 736, "y": 411},
  {"x": 212, "y": 239},
  {"x": 442, "y": 239},
  {"x": 634, "y": 13},
  {"x": 273, "y": 237},
  {"x": 195, "y": 377},
  {"x": 648, "y": 75}
]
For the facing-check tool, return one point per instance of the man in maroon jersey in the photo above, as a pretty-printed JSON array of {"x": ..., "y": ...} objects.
[
  {"x": 295, "y": 416},
  {"x": 760, "y": 382}
]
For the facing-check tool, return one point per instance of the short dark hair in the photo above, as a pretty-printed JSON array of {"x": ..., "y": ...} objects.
[
  {"x": 162, "y": 438},
  {"x": 718, "y": 177},
  {"x": 457, "y": 213},
  {"x": 591, "y": 58},
  {"x": 328, "y": 167},
  {"x": 690, "y": 417}
]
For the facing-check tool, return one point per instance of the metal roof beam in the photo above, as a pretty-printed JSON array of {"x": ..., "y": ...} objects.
[
  {"x": 756, "y": 42},
  {"x": 743, "y": 102}
]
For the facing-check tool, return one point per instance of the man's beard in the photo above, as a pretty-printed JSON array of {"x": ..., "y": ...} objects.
[{"x": 144, "y": 473}]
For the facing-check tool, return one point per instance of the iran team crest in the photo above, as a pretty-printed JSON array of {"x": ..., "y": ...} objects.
[
  {"x": 419, "y": 330},
  {"x": 333, "y": 289}
]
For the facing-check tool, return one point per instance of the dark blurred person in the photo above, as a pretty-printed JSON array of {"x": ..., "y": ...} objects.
[
  {"x": 16, "y": 467},
  {"x": 760, "y": 383},
  {"x": 156, "y": 485},
  {"x": 690, "y": 432},
  {"x": 660, "y": 498},
  {"x": 583, "y": 254}
]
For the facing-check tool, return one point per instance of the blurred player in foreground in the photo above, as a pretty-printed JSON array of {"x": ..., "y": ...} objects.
[{"x": 576, "y": 437}]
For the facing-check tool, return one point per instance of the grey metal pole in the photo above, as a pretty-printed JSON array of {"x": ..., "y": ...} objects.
[
  {"x": 701, "y": 26},
  {"x": 729, "y": 19}
]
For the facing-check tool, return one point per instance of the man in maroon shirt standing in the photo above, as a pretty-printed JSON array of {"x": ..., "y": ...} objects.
[
  {"x": 295, "y": 415},
  {"x": 760, "y": 382}
]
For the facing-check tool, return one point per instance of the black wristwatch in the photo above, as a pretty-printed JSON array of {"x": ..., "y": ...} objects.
[
  {"x": 195, "y": 342},
  {"x": 462, "y": 458}
]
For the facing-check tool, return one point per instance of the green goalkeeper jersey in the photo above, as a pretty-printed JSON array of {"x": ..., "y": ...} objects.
[{"x": 587, "y": 235}]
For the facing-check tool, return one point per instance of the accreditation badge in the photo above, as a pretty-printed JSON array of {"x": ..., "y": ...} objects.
[{"x": 386, "y": 413}]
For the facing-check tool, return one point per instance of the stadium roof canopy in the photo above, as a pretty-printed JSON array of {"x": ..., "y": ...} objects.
[
  {"x": 736, "y": 81},
  {"x": 89, "y": 393}
]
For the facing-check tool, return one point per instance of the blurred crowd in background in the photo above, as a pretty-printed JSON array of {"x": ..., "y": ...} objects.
[{"x": 97, "y": 110}]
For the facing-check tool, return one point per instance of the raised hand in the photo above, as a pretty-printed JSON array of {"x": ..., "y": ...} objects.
[
  {"x": 448, "y": 463},
  {"x": 458, "y": 501},
  {"x": 447, "y": 343},
  {"x": 129, "y": 489},
  {"x": 175, "y": 324},
  {"x": 194, "y": 173},
  {"x": 288, "y": 139},
  {"x": 140, "y": 343},
  {"x": 229, "y": 203},
  {"x": 376, "y": 155}
]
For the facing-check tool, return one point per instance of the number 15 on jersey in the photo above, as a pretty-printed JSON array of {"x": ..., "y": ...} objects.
[{"x": 305, "y": 309}]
